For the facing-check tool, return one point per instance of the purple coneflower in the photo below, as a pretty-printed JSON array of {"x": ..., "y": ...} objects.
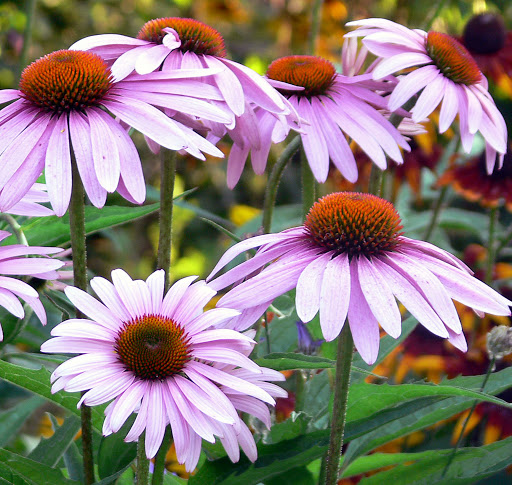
[
  {"x": 158, "y": 356},
  {"x": 58, "y": 110},
  {"x": 334, "y": 105},
  {"x": 183, "y": 43},
  {"x": 14, "y": 261},
  {"x": 350, "y": 259},
  {"x": 30, "y": 204},
  {"x": 446, "y": 72}
]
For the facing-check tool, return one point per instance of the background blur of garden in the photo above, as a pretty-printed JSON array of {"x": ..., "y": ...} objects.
[{"x": 256, "y": 32}]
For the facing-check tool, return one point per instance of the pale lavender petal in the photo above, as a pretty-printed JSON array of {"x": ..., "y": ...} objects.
[
  {"x": 81, "y": 141},
  {"x": 198, "y": 295},
  {"x": 379, "y": 297},
  {"x": 214, "y": 316},
  {"x": 247, "y": 443},
  {"x": 236, "y": 163},
  {"x": 84, "y": 328},
  {"x": 105, "y": 152},
  {"x": 126, "y": 404},
  {"x": 11, "y": 303},
  {"x": 126, "y": 289},
  {"x": 156, "y": 285},
  {"x": 412, "y": 298},
  {"x": 125, "y": 63},
  {"x": 18, "y": 287},
  {"x": 429, "y": 98},
  {"x": 215, "y": 353},
  {"x": 151, "y": 59},
  {"x": 66, "y": 345},
  {"x": 363, "y": 325},
  {"x": 458, "y": 340},
  {"x": 411, "y": 84},
  {"x": 175, "y": 294},
  {"x": 108, "y": 294},
  {"x": 475, "y": 110},
  {"x": 8, "y": 95},
  {"x": 29, "y": 266},
  {"x": 37, "y": 308},
  {"x": 229, "y": 86},
  {"x": 93, "y": 308},
  {"x": 399, "y": 62},
  {"x": 449, "y": 107},
  {"x": 58, "y": 166},
  {"x": 110, "y": 390},
  {"x": 309, "y": 286},
  {"x": 155, "y": 426}
]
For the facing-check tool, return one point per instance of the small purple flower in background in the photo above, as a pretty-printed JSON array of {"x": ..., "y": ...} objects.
[
  {"x": 157, "y": 355},
  {"x": 334, "y": 105},
  {"x": 349, "y": 259},
  {"x": 306, "y": 344},
  {"x": 57, "y": 110},
  {"x": 30, "y": 204},
  {"x": 445, "y": 72},
  {"x": 13, "y": 261}
]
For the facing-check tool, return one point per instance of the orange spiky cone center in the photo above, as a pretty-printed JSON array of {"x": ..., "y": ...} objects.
[
  {"x": 66, "y": 80},
  {"x": 452, "y": 59},
  {"x": 354, "y": 223},
  {"x": 314, "y": 74},
  {"x": 153, "y": 347},
  {"x": 194, "y": 35}
]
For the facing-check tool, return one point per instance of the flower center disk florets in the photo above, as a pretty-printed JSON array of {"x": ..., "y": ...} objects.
[
  {"x": 65, "y": 80},
  {"x": 152, "y": 347},
  {"x": 194, "y": 35},
  {"x": 315, "y": 74},
  {"x": 452, "y": 59},
  {"x": 354, "y": 223},
  {"x": 485, "y": 34}
]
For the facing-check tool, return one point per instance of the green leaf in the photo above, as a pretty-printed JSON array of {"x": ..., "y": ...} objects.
[
  {"x": 273, "y": 460},
  {"x": 54, "y": 231},
  {"x": 18, "y": 470},
  {"x": 468, "y": 466},
  {"x": 50, "y": 451},
  {"x": 297, "y": 476},
  {"x": 290, "y": 361},
  {"x": 294, "y": 426},
  {"x": 114, "y": 454},
  {"x": 74, "y": 463},
  {"x": 11, "y": 420},
  {"x": 38, "y": 381},
  {"x": 378, "y": 414}
]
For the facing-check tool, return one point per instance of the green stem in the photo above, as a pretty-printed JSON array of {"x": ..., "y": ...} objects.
[
  {"x": 158, "y": 472},
  {"x": 375, "y": 183},
  {"x": 273, "y": 182},
  {"x": 15, "y": 227},
  {"x": 436, "y": 213},
  {"x": 142, "y": 462},
  {"x": 30, "y": 8},
  {"x": 77, "y": 230},
  {"x": 491, "y": 244},
  {"x": 504, "y": 241},
  {"x": 167, "y": 175},
  {"x": 308, "y": 185},
  {"x": 339, "y": 410},
  {"x": 300, "y": 383},
  {"x": 316, "y": 17},
  {"x": 267, "y": 333},
  {"x": 464, "y": 426}
]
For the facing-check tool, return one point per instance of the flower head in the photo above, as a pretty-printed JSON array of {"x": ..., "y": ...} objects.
[
  {"x": 472, "y": 180},
  {"x": 59, "y": 109},
  {"x": 488, "y": 41},
  {"x": 335, "y": 106},
  {"x": 446, "y": 72},
  {"x": 350, "y": 259},
  {"x": 158, "y": 355},
  {"x": 14, "y": 261}
]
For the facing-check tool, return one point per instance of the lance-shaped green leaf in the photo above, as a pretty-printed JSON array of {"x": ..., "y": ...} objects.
[
  {"x": 18, "y": 470},
  {"x": 11, "y": 420},
  {"x": 38, "y": 382}
]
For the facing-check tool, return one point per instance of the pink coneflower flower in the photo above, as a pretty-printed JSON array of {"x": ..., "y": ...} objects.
[
  {"x": 13, "y": 261},
  {"x": 350, "y": 259},
  {"x": 334, "y": 105},
  {"x": 58, "y": 110},
  {"x": 445, "y": 72},
  {"x": 183, "y": 43},
  {"x": 158, "y": 355}
]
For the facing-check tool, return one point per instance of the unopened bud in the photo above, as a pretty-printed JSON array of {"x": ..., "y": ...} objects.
[{"x": 499, "y": 342}]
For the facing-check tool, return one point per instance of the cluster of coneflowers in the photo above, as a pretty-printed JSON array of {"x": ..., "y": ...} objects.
[{"x": 152, "y": 350}]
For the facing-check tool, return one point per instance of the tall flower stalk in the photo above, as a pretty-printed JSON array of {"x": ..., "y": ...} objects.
[{"x": 78, "y": 247}]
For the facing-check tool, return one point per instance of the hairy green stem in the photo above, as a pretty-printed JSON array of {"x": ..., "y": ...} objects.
[
  {"x": 316, "y": 17},
  {"x": 167, "y": 177},
  {"x": 491, "y": 244},
  {"x": 15, "y": 227},
  {"x": 308, "y": 185},
  {"x": 375, "y": 182},
  {"x": 273, "y": 182},
  {"x": 464, "y": 426},
  {"x": 142, "y": 473},
  {"x": 30, "y": 8},
  {"x": 339, "y": 411},
  {"x": 77, "y": 230},
  {"x": 504, "y": 241},
  {"x": 158, "y": 472}
]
